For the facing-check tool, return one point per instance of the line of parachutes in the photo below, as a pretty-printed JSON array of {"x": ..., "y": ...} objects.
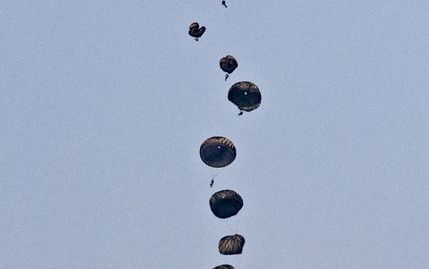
[{"x": 218, "y": 151}]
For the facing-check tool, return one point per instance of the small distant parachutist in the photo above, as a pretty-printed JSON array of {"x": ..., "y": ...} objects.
[
  {"x": 196, "y": 31},
  {"x": 245, "y": 95},
  {"x": 211, "y": 183},
  {"x": 228, "y": 64},
  {"x": 241, "y": 113},
  {"x": 224, "y": 4}
]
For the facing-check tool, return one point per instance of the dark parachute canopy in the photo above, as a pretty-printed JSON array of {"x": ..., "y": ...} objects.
[
  {"x": 196, "y": 31},
  {"x": 224, "y": 266},
  {"x": 231, "y": 244},
  {"x": 217, "y": 151},
  {"x": 245, "y": 95},
  {"x": 228, "y": 64},
  {"x": 225, "y": 203}
]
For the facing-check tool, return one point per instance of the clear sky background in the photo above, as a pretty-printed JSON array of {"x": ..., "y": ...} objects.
[{"x": 104, "y": 104}]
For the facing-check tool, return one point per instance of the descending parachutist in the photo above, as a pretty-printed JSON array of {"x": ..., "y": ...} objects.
[
  {"x": 245, "y": 95},
  {"x": 211, "y": 183},
  {"x": 224, "y": 4},
  {"x": 196, "y": 31},
  {"x": 241, "y": 113},
  {"x": 228, "y": 64}
]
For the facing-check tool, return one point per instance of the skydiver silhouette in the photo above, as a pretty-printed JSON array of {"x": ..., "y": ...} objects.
[
  {"x": 211, "y": 183},
  {"x": 224, "y": 4},
  {"x": 241, "y": 113}
]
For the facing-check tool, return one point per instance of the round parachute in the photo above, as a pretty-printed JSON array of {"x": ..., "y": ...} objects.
[
  {"x": 217, "y": 152},
  {"x": 231, "y": 244},
  {"x": 245, "y": 95},
  {"x": 195, "y": 30},
  {"x": 224, "y": 266},
  {"x": 228, "y": 64},
  {"x": 225, "y": 203}
]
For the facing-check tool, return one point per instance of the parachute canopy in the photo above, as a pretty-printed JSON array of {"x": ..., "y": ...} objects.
[
  {"x": 195, "y": 30},
  {"x": 217, "y": 151},
  {"x": 225, "y": 203},
  {"x": 231, "y": 244},
  {"x": 228, "y": 64},
  {"x": 224, "y": 266},
  {"x": 245, "y": 95}
]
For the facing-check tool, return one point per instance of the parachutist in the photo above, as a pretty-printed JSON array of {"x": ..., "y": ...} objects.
[
  {"x": 211, "y": 183},
  {"x": 228, "y": 64},
  {"x": 245, "y": 95},
  {"x": 224, "y": 4},
  {"x": 196, "y": 31},
  {"x": 241, "y": 113}
]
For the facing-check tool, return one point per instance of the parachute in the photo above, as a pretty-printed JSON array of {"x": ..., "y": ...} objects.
[
  {"x": 196, "y": 31},
  {"x": 245, "y": 95},
  {"x": 217, "y": 151},
  {"x": 228, "y": 64},
  {"x": 225, "y": 203},
  {"x": 231, "y": 244},
  {"x": 224, "y": 266}
]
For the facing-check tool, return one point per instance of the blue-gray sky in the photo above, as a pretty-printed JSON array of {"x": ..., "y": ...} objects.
[{"x": 104, "y": 105}]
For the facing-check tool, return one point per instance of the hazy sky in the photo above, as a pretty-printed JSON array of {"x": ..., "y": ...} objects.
[{"x": 104, "y": 104}]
